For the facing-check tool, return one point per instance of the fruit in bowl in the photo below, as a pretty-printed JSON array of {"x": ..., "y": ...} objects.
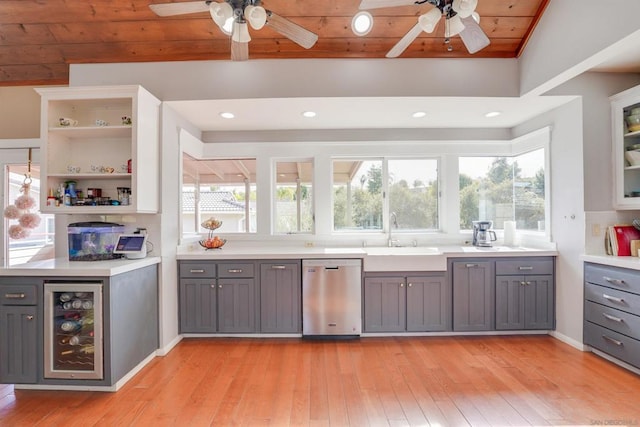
[{"x": 213, "y": 243}]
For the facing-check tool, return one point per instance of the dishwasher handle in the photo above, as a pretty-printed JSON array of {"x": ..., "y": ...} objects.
[{"x": 332, "y": 268}]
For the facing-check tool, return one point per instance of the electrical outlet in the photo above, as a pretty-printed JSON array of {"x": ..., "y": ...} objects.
[
  {"x": 309, "y": 244},
  {"x": 595, "y": 230}
]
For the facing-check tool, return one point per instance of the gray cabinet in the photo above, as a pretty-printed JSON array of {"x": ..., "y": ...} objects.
[
  {"x": 19, "y": 322},
  {"x": 217, "y": 297},
  {"x": 612, "y": 311},
  {"x": 416, "y": 303},
  {"x": 525, "y": 294},
  {"x": 473, "y": 295},
  {"x": 385, "y": 304},
  {"x": 280, "y": 310}
]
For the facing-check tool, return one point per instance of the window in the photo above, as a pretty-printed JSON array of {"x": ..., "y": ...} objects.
[
  {"x": 359, "y": 187},
  {"x": 357, "y": 195},
  {"x": 224, "y": 189},
  {"x": 413, "y": 193},
  {"x": 294, "y": 197},
  {"x": 502, "y": 189}
]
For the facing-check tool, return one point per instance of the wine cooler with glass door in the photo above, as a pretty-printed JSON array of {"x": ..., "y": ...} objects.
[{"x": 73, "y": 330}]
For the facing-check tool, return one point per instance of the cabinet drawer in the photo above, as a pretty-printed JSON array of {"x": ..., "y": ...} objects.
[
  {"x": 524, "y": 266},
  {"x": 617, "y": 345},
  {"x": 624, "y": 301},
  {"x": 619, "y": 321},
  {"x": 18, "y": 295},
  {"x": 613, "y": 277},
  {"x": 235, "y": 269},
  {"x": 201, "y": 269}
]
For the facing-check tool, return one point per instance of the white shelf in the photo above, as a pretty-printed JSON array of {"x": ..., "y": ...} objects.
[
  {"x": 92, "y": 132},
  {"x": 88, "y": 146}
]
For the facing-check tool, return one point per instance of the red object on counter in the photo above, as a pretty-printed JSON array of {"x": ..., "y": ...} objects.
[{"x": 129, "y": 166}]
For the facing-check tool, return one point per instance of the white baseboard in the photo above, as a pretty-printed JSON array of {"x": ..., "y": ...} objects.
[
  {"x": 167, "y": 348},
  {"x": 568, "y": 340}
]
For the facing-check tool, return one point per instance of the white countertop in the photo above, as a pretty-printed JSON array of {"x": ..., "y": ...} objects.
[
  {"x": 229, "y": 251},
  {"x": 631, "y": 262},
  {"x": 64, "y": 267}
]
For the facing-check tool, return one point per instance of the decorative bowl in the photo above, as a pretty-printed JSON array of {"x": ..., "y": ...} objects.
[
  {"x": 211, "y": 224},
  {"x": 215, "y": 243}
]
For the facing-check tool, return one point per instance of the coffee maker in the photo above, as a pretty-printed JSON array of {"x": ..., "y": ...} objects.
[{"x": 482, "y": 233}]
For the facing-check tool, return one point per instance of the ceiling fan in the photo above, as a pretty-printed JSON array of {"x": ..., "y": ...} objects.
[
  {"x": 460, "y": 19},
  {"x": 234, "y": 17}
]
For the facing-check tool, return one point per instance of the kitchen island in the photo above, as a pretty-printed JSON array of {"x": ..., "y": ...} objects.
[{"x": 77, "y": 325}]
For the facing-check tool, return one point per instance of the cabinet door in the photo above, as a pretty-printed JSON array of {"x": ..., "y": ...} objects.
[
  {"x": 473, "y": 289},
  {"x": 539, "y": 302},
  {"x": 428, "y": 304},
  {"x": 18, "y": 345},
  {"x": 510, "y": 302},
  {"x": 384, "y": 304},
  {"x": 280, "y": 298},
  {"x": 198, "y": 305},
  {"x": 236, "y": 307}
]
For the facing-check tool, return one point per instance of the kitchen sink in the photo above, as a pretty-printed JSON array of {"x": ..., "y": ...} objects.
[{"x": 405, "y": 258}]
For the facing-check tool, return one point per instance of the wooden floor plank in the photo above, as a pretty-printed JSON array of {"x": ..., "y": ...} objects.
[{"x": 459, "y": 380}]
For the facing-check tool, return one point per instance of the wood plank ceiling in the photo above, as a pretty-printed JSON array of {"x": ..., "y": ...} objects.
[{"x": 39, "y": 39}]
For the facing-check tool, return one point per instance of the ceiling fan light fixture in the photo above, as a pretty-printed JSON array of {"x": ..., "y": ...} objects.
[
  {"x": 455, "y": 26},
  {"x": 240, "y": 32},
  {"x": 256, "y": 15},
  {"x": 362, "y": 23},
  {"x": 464, "y": 8},
  {"x": 220, "y": 13},
  {"x": 429, "y": 21}
]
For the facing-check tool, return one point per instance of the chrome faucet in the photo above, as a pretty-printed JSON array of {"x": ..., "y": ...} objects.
[{"x": 393, "y": 222}]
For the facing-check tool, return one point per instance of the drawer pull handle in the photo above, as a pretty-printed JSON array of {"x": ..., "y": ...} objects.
[
  {"x": 614, "y": 281},
  {"x": 471, "y": 265},
  {"x": 616, "y": 342},
  {"x": 234, "y": 270},
  {"x": 614, "y": 318},
  {"x": 525, "y": 267},
  {"x": 278, "y": 267},
  {"x": 614, "y": 299},
  {"x": 29, "y": 317},
  {"x": 196, "y": 271},
  {"x": 15, "y": 296}
]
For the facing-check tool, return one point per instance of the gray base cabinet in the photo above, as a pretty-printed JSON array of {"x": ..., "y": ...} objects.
[
  {"x": 18, "y": 344},
  {"x": 525, "y": 294},
  {"x": 280, "y": 295},
  {"x": 612, "y": 311},
  {"x": 129, "y": 322},
  {"x": 416, "y": 303},
  {"x": 473, "y": 295},
  {"x": 217, "y": 297}
]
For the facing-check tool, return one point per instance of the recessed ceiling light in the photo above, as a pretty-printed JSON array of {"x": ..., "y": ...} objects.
[
  {"x": 418, "y": 114},
  {"x": 227, "y": 115},
  {"x": 309, "y": 114},
  {"x": 493, "y": 114},
  {"x": 362, "y": 23}
]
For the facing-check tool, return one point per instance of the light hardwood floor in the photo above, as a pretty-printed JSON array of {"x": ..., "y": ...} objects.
[{"x": 447, "y": 381}]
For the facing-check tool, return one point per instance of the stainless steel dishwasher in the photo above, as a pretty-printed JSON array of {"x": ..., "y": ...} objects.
[{"x": 331, "y": 297}]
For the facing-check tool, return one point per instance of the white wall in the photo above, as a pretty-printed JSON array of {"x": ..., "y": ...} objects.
[
  {"x": 19, "y": 112},
  {"x": 575, "y": 35}
]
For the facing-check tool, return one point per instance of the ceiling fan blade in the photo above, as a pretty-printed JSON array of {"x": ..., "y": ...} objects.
[
  {"x": 472, "y": 36},
  {"x": 376, "y": 4},
  {"x": 293, "y": 32},
  {"x": 239, "y": 51},
  {"x": 404, "y": 42},
  {"x": 170, "y": 9}
]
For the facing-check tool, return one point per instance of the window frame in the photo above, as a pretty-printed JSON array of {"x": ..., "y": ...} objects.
[{"x": 274, "y": 201}]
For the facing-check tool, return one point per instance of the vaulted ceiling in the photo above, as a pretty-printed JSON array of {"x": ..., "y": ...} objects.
[{"x": 39, "y": 39}]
